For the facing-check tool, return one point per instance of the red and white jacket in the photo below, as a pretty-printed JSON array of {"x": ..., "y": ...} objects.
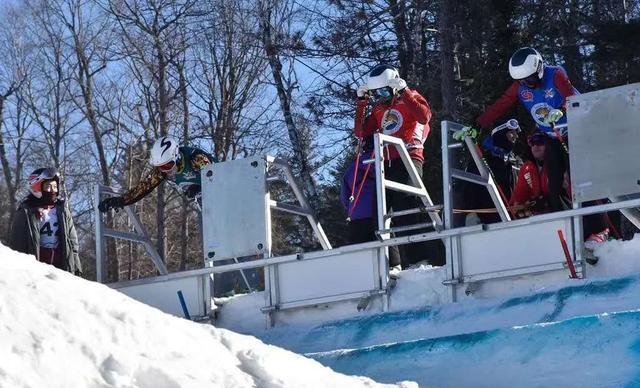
[
  {"x": 406, "y": 117},
  {"x": 533, "y": 182}
]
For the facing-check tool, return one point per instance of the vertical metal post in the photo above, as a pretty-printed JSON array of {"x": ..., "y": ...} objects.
[
  {"x": 270, "y": 283},
  {"x": 384, "y": 223},
  {"x": 577, "y": 240},
  {"x": 101, "y": 267},
  {"x": 451, "y": 254}
]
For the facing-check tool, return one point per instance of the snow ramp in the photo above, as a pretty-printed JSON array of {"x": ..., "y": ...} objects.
[
  {"x": 582, "y": 334},
  {"x": 600, "y": 350}
]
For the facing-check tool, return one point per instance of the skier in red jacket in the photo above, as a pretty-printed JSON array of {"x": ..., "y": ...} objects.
[
  {"x": 532, "y": 185},
  {"x": 531, "y": 191},
  {"x": 403, "y": 113}
]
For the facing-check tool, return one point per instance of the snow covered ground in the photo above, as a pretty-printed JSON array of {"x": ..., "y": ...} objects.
[
  {"x": 61, "y": 331},
  {"x": 58, "y": 330}
]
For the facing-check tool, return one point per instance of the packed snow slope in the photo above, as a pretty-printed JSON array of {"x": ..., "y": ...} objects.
[{"x": 58, "y": 330}]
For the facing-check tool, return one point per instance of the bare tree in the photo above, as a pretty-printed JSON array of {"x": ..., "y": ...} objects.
[
  {"x": 276, "y": 20},
  {"x": 12, "y": 76},
  {"x": 89, "y": 37},
  {"x": 47, "y": 91},
  {"x": 228, "y": 78},
  {"x": 150, "y": 43}
]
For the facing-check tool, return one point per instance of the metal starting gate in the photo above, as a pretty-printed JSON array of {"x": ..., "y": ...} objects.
[{"x": 237, "y": 207}]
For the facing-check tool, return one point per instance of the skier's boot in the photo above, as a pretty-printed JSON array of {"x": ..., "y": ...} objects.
[
  {"x": 394, "y": 272},
  {"x": 592, "y": 242}
]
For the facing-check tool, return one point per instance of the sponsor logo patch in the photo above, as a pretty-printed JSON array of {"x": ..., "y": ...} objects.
[
  {"x": 526, "y": 95},
  {"x": 539, "y": 113},
  {"x": 391, "y": 122}
]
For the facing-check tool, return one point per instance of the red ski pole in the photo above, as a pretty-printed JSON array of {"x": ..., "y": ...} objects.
[
  {"x": 355, "y": 170},
  {"x": 355, "y": 201},
  {"x": 567, "y": 255}
]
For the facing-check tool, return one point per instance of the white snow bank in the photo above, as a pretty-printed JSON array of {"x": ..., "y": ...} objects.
[{"x": 58, "y": 330}]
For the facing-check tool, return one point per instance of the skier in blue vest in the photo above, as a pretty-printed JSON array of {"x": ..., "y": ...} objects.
[
  {"x": 172, "y": 162},
  {"x": 541, "y": 89}
]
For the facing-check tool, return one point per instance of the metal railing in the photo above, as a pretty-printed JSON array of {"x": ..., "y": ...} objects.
[{"x": 102, "y": 231}]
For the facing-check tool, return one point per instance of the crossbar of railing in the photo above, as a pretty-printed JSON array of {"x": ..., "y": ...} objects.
[
  {"x": 418, "y": 210},
  {"x": 584, "y": 211},
  {"x": 289, "y": 208},
  {"x": 306, "y": 256},
  {"x": 401, "y": 187},
  {"x": 407, "y": 228},
  {"x": 125, "y": 235}
]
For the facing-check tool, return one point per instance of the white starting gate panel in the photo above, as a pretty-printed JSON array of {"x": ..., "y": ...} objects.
[
  {"x": 604, "y": 128},
  {"x": 235, "y": 209},
  {"x": 330, "y": 278},
  {"x": 162, "y": 293},
  {"x": 515, "y": 250}
]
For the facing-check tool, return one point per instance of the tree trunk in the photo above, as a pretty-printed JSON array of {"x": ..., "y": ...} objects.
[
  {"x": 447, "y": 87},
  {"x": 405, "y": 44},
  {"x": 184, "y": 220},
  {"x": 300, "y": 148},
  {"x": 6, "y": 167}
]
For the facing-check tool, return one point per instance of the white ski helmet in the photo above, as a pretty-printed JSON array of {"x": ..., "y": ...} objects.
[
  {"x": 164, "y": 150},
  {"x": 526, "y": 62},
  {"x": 380, "y": 75}
]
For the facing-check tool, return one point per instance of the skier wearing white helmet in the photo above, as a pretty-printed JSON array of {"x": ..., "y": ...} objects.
[
  {"x": 170, "y": 161},
  {"x": 542, "y": 89},
  {"x": 398, "y": 111}
]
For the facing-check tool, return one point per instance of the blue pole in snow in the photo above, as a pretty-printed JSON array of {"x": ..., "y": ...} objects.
[{"x": 184, "y": 305}]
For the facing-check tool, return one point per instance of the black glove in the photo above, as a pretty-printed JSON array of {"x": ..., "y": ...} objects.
[
  {"x": 111, "y": 203},
  {"x": 192, "y": 191}
]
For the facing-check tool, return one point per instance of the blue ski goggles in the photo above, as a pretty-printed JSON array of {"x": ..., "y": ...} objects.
[{"x": 385, "y": 92}]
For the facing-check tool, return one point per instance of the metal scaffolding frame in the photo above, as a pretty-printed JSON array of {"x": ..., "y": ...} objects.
[{"x": 139, "y": 236}]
